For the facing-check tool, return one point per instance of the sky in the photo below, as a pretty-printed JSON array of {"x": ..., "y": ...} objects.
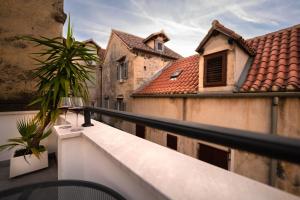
[{"x": 186, "y": 22}]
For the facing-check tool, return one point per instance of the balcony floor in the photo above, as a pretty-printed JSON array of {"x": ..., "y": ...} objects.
[{"x": 48, "y": 174}]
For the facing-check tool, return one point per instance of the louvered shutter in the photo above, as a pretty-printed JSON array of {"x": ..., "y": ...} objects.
[
  {"x": 125, "y": 70},
  {"x": 215, "y": 69},
  {"x": 118, "y": 71}
]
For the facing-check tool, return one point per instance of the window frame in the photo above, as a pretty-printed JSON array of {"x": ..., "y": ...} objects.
[
  {"x": 120, "y": 104},
  {"x": 162, "y": 46},
  {"x": 223, "y": 82},
  {"x": 122, "y": 69}
]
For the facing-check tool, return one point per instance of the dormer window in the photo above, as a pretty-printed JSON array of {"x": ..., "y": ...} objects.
[
  {"x": 159, "y": 46},
  {"x": 215, "y": 69}
]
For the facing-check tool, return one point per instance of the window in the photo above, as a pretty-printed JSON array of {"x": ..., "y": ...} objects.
[
  {"x": 122, "y": 69},
  {"x": 140, "y": 131},
  {"x": 213, "y": 156},
  {"x": 106, "y": 102},
  {"x": 172, "y": 142},
  {"x": 175, "y": 74},
  {"x": 215, "y": 68},
  {"x": 159, "y": 46},
  {"x": 120, "y": 104}
]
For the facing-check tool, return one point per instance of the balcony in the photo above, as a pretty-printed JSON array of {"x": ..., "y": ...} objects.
[{"x": 136, "y": 168}]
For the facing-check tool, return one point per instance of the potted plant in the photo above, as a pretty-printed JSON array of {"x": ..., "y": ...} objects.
[
  {"x": 27, "y": 157},
  {"x": 62, "y": 70}
]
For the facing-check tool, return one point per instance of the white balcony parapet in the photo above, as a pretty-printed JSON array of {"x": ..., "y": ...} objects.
[{"x": 139, "y": 169}]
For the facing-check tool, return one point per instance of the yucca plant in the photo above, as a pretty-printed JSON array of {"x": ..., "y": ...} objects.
[
  {"x": 62, "y": 70},
  {"x": 27, "y": 128}
]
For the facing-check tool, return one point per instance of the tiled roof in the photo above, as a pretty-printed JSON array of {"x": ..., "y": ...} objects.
[
  {"x": 136, "y": 43},
  {"x": 101, "y": 54},
  {"x": 154, "y": 35},
  {"x": 217, "y": 26},
  {"x": 186, "y": 82},
  {"x": 276, "y": 65}
]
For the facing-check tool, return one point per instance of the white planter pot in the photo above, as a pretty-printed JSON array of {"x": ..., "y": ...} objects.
[{"x": 19, "y": 166}]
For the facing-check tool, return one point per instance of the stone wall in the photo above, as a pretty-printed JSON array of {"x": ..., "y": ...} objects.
[
  {"x": 141, "y": 67},
  {"x": 19, "y": 18}
]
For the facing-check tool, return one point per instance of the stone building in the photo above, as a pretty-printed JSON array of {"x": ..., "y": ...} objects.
[
  {"x": 22, "y": 18},
  {"x": 248, "y": 84},
  {"x": 94, "y": 86},
  {"x": 130, "y": 61}
]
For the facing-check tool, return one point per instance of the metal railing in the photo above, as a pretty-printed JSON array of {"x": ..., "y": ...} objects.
[{"x": 273, "y": 146}]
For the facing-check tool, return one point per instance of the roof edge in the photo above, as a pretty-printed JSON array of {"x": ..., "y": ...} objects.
[
  {"x": 222, "y": 95},
  {"x": 217, "y": 26}
]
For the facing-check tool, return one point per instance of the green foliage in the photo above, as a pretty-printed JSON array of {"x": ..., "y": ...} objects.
[
  {"x": 28, "y": 128},
  {"x": 63, "y": 69}
]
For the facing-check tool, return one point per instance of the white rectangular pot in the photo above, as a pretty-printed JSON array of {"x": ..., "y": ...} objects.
[{"x": 19, "y": 166}]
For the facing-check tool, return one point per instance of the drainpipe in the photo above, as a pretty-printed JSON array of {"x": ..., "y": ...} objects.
[
  {"x": 184, "y": 109},
  {"x": 274, "y": 117}
]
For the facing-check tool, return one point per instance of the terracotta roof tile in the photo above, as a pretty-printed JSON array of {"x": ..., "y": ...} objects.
[
  {"x": 281, "y": 51},
  {"x": 275, "y": 67},
  {"x": 186, "y": 82},
  {"x": 137, "y": 43}
]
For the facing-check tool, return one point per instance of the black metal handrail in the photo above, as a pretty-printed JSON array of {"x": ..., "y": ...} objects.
[{"x": 273, "y": 146}]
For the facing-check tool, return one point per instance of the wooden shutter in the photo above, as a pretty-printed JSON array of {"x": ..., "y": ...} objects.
[
  {"x": 215, "y": 69},
  {"x": 118, "y": 70},
  {"x": 125, "y": 70},
  {"x": 123, "y": 106}
]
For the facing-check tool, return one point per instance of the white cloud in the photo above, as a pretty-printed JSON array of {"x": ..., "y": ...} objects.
[{"x": 185, "y": 21}]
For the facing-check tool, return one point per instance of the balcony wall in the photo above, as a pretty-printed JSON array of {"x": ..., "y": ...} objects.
[
  {"x": 139, "y": 169},
  {"x": 8, "y": 130}
]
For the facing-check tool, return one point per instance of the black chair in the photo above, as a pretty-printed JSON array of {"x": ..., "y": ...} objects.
[{"x": 61, "y": 190}]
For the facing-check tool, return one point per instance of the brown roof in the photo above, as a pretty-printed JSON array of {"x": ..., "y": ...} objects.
[
  {"x": 217, "y": 26},
  {"x": 186, "y": 82},
  {"x": 276, "y": 65},
  {"x": 136, "y": 43},
  {"x": 101, "y": 54},
  {"x": 155, "y": 35}
]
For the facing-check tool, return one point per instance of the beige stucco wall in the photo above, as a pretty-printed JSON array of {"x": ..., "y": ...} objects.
[
  {"x": 252, "y": 114},
  {"x": 236, "y": 60},
  {"x": 19, "y": 18}
]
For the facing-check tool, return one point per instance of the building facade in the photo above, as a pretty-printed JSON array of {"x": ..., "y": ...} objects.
[
  {"x": 231, "y": 82},
  {"x": 128, "y": 63}
]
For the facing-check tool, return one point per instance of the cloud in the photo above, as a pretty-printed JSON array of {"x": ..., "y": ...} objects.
[{"x": 185, "y": 21}]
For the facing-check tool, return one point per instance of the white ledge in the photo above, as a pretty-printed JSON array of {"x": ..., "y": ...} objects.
[{"x": 137, "y": 168}]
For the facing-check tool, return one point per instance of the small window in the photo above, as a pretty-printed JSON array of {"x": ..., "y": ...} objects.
[
  {"x": 120, "y": 104},
  {"x": 140, "y": 131},
  {"x": 175, "y": 74},
  {"x": 215, "y": 69},
  {"x": 106, "y": 102},
  {"x": 213, "y": 156},
  {"x": 122, "y": 69},
  {"x": 172, "y": 142},
  {"x": 159, "y": 46}
]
